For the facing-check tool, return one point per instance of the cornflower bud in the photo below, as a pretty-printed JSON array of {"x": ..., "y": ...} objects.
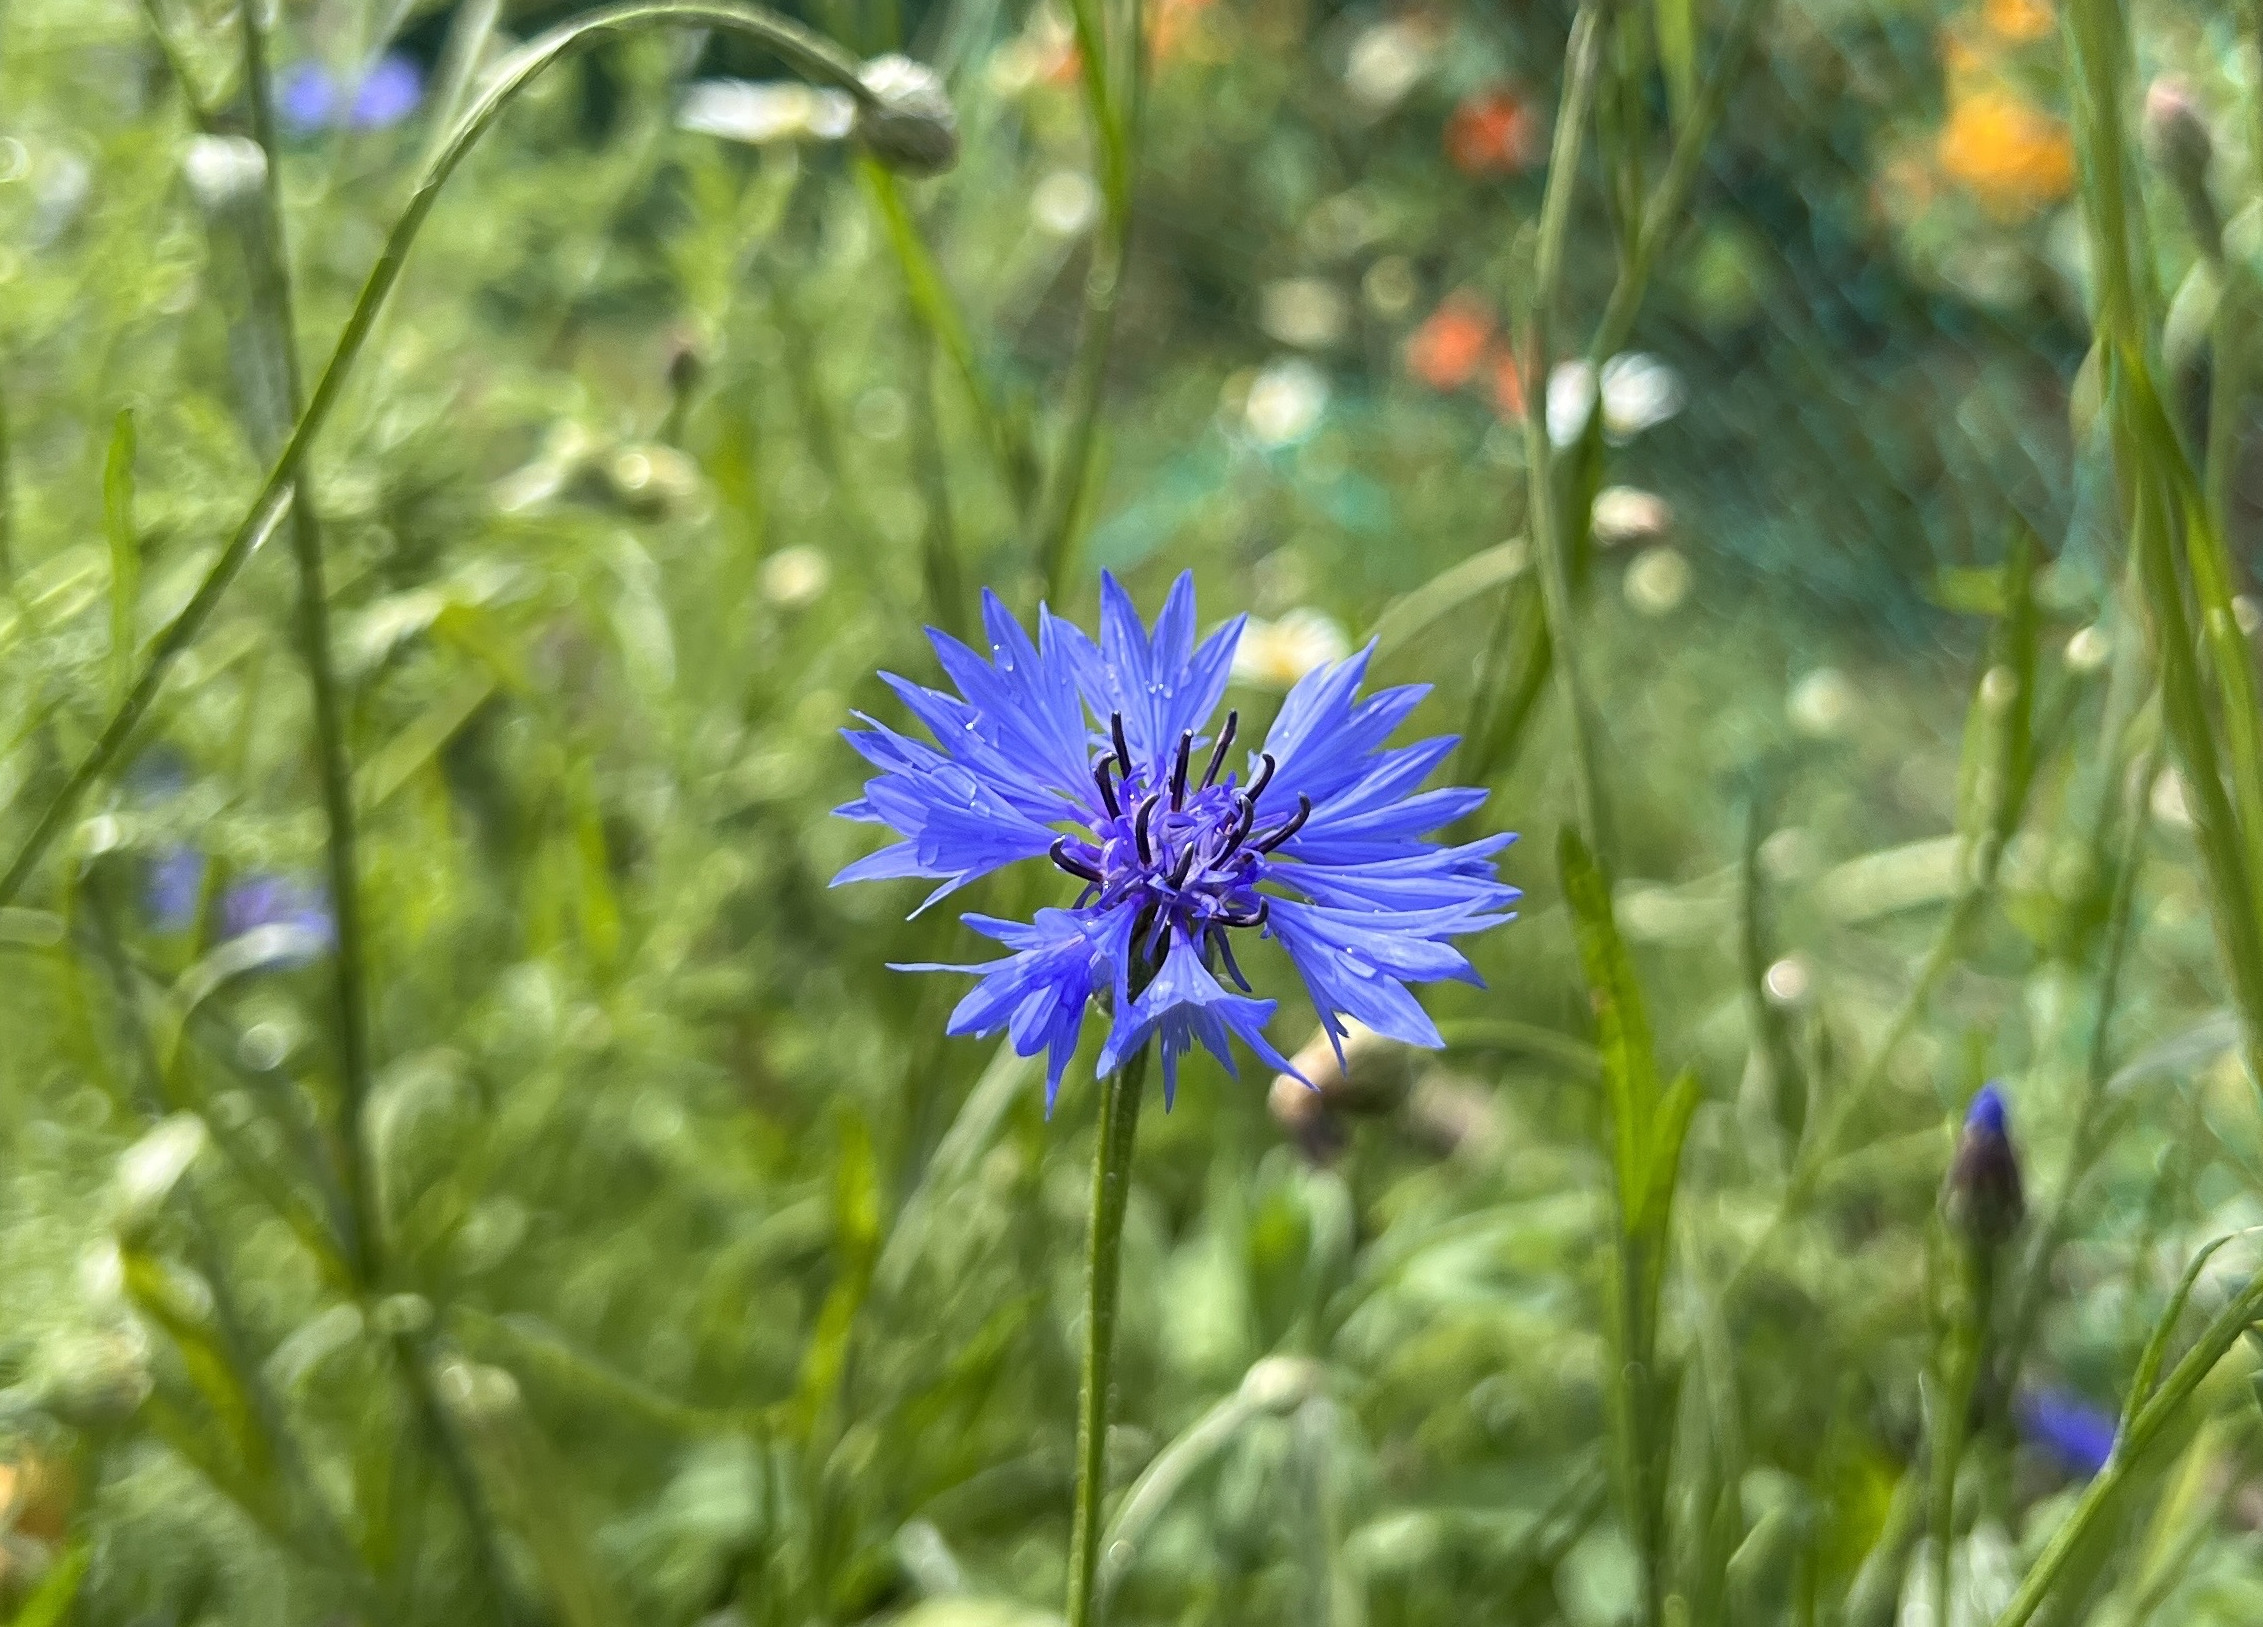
[
  {"x": 2177, "y": 138},
  {"x": 1983, "y": 1198},
  {"x": 909, "y": 125}
]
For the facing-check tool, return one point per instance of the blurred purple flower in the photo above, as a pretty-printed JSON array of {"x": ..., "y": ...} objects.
[
  {"x": 2074, "y": 1434},
  {"x": 388, "y": 95},
  {"x": 268, "y": 900},
  {"x": 176, "y": 882},
  {"x": 309, "y": 99},
  {"x": 306, "y": 98}
]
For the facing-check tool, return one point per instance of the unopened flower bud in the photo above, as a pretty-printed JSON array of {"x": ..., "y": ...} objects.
[
  {"x": 1983, "y": 1199},
  {"x": 909, "y": 125},
  {"x": 2177, "y": 138}
]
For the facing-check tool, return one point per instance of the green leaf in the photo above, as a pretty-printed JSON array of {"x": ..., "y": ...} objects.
[
  {"x": 50, "y": 1604},
  {"x": 125, "y": 549},
  {"x": 1415, "y": 613},
  {"x": 1630, "y": 1070}
]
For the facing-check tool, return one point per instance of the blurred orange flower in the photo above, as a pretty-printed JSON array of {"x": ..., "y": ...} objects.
[
  {"x": 1508, "y": 385},
  {"x": 1495, "y": 132},
  {"x": 1447, "y": 349},
  {"x": 2019, "y": 20},
  {"x": 2011, "y": 155}
]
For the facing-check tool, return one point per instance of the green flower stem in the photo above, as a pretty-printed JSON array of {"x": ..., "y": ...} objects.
[
  {"x": 2091, "y": 1119},
  {"x": 1111, "y": 1189},
  {"x": 1964, "y": 1360},
  {"x": 1582, "y": 55},
  {"x": 332, "y": 763},
  {"x": 808, "y": 53},
  {"x": 1115, "y": 116}
]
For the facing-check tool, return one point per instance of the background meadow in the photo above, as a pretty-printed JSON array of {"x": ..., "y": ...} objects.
[{"x": 626, "y": 1243}]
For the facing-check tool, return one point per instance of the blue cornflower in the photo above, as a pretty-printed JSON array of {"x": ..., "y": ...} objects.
[
  {"x": 1097, "y": 756},
  {"x": 309, "y": 98},
  {"x": 2077, "y": 1435}
]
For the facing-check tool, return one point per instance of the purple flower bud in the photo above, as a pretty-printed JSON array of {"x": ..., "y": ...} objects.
[{"x": 1983, "y": 1197}]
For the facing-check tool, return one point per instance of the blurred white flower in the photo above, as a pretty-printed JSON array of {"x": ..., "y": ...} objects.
[
  {"x": 2170, "y": 806},
  {"x": 1628, "y": 514},
  {"x": 1822, "y": 704},
  {"x": 761, "y": 111},
  {"x": 1275, "y": 654},
  {"x": 794, "y": 576},
  {"x": 150, "y": 1168},
  {"x": 1639, "y": 392},
  {"x": 1385, "y": 63},
  {"x": 222, "y": 169},
  {"x": 1307, "y": 312},
  {"x": 1658, "y": 581},
  {"x": 1786, "y": 981},
  {"x": 1064, "y": 203},
  {"x": 1285, "y": 402},
  {"x": 2088, "y": 649}
]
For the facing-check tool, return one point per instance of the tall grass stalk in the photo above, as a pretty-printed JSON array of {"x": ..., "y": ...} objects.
[
  {"x": 807, "y": 53},
  {"x": 1583, "y": 55},
  {"x": 333, "y": 766},
  {"x": 1113, "y": 79}
]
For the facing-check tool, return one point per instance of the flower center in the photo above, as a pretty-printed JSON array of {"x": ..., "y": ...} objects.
[{"x": 1184, "y": 854}]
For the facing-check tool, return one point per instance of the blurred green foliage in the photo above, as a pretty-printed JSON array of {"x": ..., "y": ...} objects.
[{"x": 712, "y": 1283}]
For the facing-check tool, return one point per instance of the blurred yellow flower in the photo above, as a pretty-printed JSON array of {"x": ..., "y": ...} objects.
[
  {"x": 1275, "y": 654},
  {"x": 2009, "y": 154},
  {"x": 2019, "y": 20}
]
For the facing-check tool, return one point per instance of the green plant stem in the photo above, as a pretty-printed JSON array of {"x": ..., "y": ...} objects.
[
  {"x": 1494, "y": 731},
  {"x": 7, "y": 502},
  {"x": 1967, "y": 1358},
  {"x": 1114, "y": 118},
  {"x": 808, "y": 53},
  {"x": 1111, "y": 1190},
  {"x": 333, "y": 765},
  {"x": 2088, "y": 1138},
  {"x": 1582, "y": 55},
  {"x": 2148, "y": 1414}
]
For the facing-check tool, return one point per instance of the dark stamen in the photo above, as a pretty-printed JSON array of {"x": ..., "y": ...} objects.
[
  {"x": 1288, "y": 827},
  {"x": 1240, "y": 832},
  {"x": 1180, "y": 871},
  {"x": 1179, "y": 771},
  {"x": 1225, "y": 949},
  {"x": 1264, "y": 776},
  {"x": 1123, "y": 751},
  {"x": 1218, "y": 752},
  {"x": 1072, "y": 864},
  {"x": 1255, "y": 917},
  {"x": 1107, "y": 790},
  {"x": 1139, "y": 829}
]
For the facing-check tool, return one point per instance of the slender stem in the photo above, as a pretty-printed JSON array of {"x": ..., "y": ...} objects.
[
  {"x": 1583, "y": 53},
  {"x": 7, "y": 501},
  {"x": 808, "y": 53},
  {"x": 332, "y": 764},
  {"x": 2090, "y": 1116},
  {"x": 1111, "y": 1188},
  {"x": 1114, "y": 119}
]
